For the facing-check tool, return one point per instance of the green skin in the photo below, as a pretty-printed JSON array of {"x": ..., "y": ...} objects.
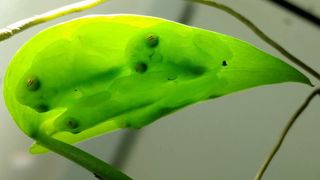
[{"x": 96, "y": 74}]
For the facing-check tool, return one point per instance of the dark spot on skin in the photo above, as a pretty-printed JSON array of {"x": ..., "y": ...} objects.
[
  {"x": 141, "y": 67},
  {"x": 42, "y": 108},
  {"x": 152, "y": 40},
  {"x": 224, "y": 63},
  {"x": 72, "y": 123},
  {"x": 33, "y": 83}
]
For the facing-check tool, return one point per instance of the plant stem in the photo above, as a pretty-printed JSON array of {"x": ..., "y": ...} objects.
[
  {"x": 291, "y": 57},
  {"x": 262, "y": 35},
  {"x": 100, "y": 169},
  {"x": 19, "y": 26},
  {"x": 284, "y": 133}
]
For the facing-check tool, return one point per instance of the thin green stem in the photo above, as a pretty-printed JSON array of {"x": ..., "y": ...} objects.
[
  {"x": 19, "y": 26},
  {"x": 291, "y": 57},
  {"x": 262, "y": 35},
  {"x": 284, "y": 134},
  {"x": 100, "y": 169}
]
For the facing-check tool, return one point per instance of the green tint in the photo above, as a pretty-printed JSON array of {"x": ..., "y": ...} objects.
[{"x": 92, "y": 75}]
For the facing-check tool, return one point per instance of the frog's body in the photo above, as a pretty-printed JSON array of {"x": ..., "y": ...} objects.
[{"x": 95, "y": 74}]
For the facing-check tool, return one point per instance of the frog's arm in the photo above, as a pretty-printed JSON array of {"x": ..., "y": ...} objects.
[{"x": 96, "y": 74}]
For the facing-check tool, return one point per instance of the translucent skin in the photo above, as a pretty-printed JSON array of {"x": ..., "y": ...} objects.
[{"x": 96, "y": 74}]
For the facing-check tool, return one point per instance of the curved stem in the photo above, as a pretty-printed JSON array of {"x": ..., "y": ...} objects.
[
  {"x": 284, "y": 133},
  {"x": 19, "y": 26},
  {"x": 262, "y": 35},
  {"x": 100, "y": 169},
  {"x": 291, "y": 57}
]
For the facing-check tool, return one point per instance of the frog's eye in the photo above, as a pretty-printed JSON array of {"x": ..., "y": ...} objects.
[
  {"x": 32, "y": 83},
  {"x": 72, "y": 125},
  {"x": 152, "y": 40},
  {"x": 141, "y": 67}
]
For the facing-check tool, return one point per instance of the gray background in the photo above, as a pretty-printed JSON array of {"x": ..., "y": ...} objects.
[{"x": 224, "y": 139}]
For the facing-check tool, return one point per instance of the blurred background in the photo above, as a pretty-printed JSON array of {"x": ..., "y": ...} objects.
[{"x": 222, "y": 139}]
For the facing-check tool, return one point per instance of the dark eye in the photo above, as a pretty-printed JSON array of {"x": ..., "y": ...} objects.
[
  {"x": 152, "y": 40},
  {"x": 72, "y": 123},
  {"x": 32, "y": 83},
  {"x": 141, "y": 67}
]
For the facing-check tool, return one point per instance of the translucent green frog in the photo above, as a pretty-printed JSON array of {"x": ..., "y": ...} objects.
[{"x": 100, "y": 73}]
